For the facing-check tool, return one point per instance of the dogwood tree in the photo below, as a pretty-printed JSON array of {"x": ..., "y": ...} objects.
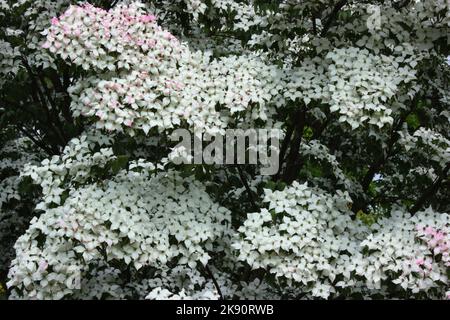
[{"x": 93, "y": 205}]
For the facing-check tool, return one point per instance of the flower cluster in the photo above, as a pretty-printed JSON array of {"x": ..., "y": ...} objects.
[
  {"x": 353, "y": 82},
  {"x": 136, "y": 217},
  {"x": 395, "y": 252},
  {"x": 307, "y": 82},
  {"x": 307, "y": 237},
  {"x": 9, "y": 64},
  {"x": 107, "y": 282},
  {"x": 430, "y": 144},
  {"x": 26, "y": 35},
  {"x": 362, "y": 84},
  {"x": 437, "y": 241},
  {"x": 143, "y": 92},
  {"x": 157, "y": 82},
  {"x": 302, "y": 237},
  {"x": 121, "y": 39},
  {"x": 72, "y": 168},
  {"x": 14, "y": 215}
]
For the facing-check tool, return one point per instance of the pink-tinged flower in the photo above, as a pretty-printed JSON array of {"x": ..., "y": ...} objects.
[
  {"x": 147, "y": 18},
  {"x": 113, "y": 105},
  {"x": 101, "y": 115},
  {"x": 46, "y": 45},
  {"x": 106, "y": 24},
  {"x": 128, "y": 122},
  {"x": 55, "y": 21},
  {"x": 130, "y": 100},
  {"x": 420, "y": 261},
  {"x": 62, "y": 223},
  {"x": 430, "y": 231},
  {"x": 43, "y": 265},
  {"x": 439, "y": 236},
  {"x": 68, "y": 12},
  {"x": 432, "y": 243},
  {"x": 66, "y": 30},
  {"x": 128, "y": 37}
]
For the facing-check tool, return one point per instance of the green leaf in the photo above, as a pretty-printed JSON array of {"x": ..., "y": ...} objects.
[
  {"x": 372, "y": 189},
  {"x": 119, "y": 163},
  {"x": 366, "y": 218},
  {"x": 413, "y": 121},
  {"x": 307, "y": 132},
  {"x": 314, "y": 169},
  {"x": 26, "y": 186},
  {"x": 64, "y": 196}
]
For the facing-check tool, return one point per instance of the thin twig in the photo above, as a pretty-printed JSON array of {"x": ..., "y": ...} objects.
[
  {"x": 211, "y": 275},
  {"x": 247, "y": 188}
]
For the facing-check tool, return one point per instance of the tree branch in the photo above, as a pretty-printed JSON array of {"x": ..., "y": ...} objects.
[
  {"x": 54, "y": 107},
  {"x": 284, "y": 146},
  {"x": 319, "y": 131},
  {"x": 333, "y": 15},
  {"x": 293, "y": 164},
  {"x": 216, "y": 284},
  {"x": 314, "y": 24},
  {"x": 401, "y": 4},
  {"x": 247, "y": 188},
  {"x": 431, "y": 190},
  {"x": 37, "y": 142},
  {"x": 40, "y": 98},
  {"x": 381, "y": 161}
]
